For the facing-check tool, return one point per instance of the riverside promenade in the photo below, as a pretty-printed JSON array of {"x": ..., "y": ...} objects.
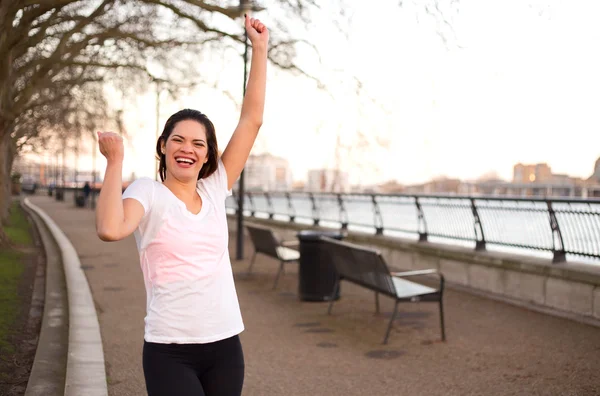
[{"x": 294, "y": 348}]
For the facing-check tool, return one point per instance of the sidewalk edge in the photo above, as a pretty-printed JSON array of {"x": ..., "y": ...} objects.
[{"x": 86, "y": 374}]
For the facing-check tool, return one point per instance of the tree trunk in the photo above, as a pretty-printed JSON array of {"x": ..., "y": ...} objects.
[{"x": 6, "y": 160}]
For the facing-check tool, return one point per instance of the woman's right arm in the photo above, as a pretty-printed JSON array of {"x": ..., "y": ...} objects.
[{"x": 115, "y": 218}]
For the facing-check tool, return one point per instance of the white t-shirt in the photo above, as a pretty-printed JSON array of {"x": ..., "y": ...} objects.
[{"x": 190, "y": 293}]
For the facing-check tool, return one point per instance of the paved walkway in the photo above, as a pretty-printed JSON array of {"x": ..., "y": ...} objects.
[{"x": 293, "y": 348}]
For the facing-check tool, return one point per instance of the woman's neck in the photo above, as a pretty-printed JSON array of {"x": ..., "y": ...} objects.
[{"x": 179, "y": 188}]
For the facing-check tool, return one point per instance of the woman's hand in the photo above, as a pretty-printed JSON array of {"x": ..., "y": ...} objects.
[
  {"x": 257, "y": 32},
  {"x": 111, "y": 146}
]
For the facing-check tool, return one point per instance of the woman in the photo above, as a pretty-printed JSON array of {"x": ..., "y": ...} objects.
[{"x": 193, "y": 319}]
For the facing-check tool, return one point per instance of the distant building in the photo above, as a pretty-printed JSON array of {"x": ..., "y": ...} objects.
[
  {"x": 266, "y": 172},
  {"x": 298, "y": 185},
  {"x": 327, "y": 180},
  {"x": 536, "y": 173},
  {"x": 390, "y": 187},
  {"x": 442, "y": 185},
  {"x": 29, "y": 169},
  {"x": 50, "y": 173},
  {"x": 595, "y": 177},
  {"x": 536, "y": 180},
  {"x": 566, "y": 180}
]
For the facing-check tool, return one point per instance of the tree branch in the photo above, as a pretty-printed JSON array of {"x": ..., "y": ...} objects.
[{"x": 201, "y": 25}]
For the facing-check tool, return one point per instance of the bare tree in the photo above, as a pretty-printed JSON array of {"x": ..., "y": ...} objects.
[{"x": 53, "y": 49}]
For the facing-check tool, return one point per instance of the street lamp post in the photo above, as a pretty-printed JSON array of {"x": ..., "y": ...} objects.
[
  {"x": 244, "y": 6},
  {"x": 93, "y": 192},
  {"x": 157, "y": 81}
]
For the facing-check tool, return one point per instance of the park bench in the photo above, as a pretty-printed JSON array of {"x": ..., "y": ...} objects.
[
  {"x": 265, "y": 242},
  {"x": 367, "y": 268}
]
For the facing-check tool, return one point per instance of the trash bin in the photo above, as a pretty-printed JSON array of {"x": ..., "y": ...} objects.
[
  {"x": 316, "y": 273},
  {"x": 79, "y": 201}
]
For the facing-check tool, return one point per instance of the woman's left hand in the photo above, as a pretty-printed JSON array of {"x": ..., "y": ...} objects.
[{"x": 257, "y": 32}]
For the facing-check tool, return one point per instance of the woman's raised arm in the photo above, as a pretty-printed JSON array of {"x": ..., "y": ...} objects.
[{"x": 237, "y": 151}]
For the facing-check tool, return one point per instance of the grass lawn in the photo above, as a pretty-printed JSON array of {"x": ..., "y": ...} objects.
[{"x": 11, "y": 270}]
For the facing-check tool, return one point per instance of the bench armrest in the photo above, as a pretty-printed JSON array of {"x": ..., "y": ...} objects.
[
  {"x": 414, "y": 273},
  {"x": 406, "y": 274},
  {"x": 290, "y": 243}
]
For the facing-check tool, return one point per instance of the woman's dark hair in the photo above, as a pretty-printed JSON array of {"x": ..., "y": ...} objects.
[{"x": 211, "y": 140}]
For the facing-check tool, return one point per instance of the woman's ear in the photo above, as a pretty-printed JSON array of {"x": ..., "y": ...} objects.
[{"x": 162, "y": 147}]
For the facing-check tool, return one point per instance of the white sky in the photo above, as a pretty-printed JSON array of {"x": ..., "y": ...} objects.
[{"x": 523, "y": 87}]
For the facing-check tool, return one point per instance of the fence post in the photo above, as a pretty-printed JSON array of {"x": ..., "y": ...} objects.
[
  {"x": 290, "y": 207},
  {"x": 378, "y": 220},
  {"x": 270, "y": 205},
  {"x": 422, "y": 223},
  {"x": 315, "y": 210},
  {"x": 252, "y": 209},
  {"x": 557, "y": 239},
  {"x": 343, "y": 212},
  {"x": 479, "y": 235},
  {"x": 234, "y": 195}
]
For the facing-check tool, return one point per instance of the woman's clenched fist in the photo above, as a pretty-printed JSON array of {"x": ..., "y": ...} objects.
[{"x": 111, "y": 146}]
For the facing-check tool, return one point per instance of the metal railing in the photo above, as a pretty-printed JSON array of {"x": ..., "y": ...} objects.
[{"x": 559, "y": 226}]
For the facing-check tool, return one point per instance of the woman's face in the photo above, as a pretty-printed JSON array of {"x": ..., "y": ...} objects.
[{"x": 186, "y": 151}]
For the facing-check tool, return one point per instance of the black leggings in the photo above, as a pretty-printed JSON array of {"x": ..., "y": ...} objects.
[{"x": 210, "y": 369}]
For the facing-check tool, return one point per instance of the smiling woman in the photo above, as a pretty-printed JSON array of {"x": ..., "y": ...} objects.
[{"x": 193, "y": 318}]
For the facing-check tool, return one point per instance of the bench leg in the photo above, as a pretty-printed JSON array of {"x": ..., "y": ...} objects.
[
  {"x": 387, "y": 334},
  {"x": 251, "y": 262},
  {"x": 442, "y": 320},
  {"x": 376, "y": 302},
  {"x": 335, "y": 292},
  {"x": 281, "y": 264}
]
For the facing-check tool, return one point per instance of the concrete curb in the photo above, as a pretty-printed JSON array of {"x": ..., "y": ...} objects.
[
  {"x": 49, "y": 367},
  {"x": 86, "y": 374}
]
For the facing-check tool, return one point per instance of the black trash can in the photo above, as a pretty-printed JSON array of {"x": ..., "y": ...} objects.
[
  {"x": 316, "y": 273},
  {"x": 79, "y": 201}
]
